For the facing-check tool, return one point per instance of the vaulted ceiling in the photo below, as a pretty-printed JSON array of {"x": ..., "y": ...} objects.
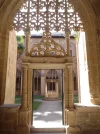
[{"x": 95, "y": 5}]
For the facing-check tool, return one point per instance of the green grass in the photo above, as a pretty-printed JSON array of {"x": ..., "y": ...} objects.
[
  {"x": 38, "y": 97},
  {"x": 18, "y": 99},
  {"x": 36, "y": 104},
  {"x": 76, "y": 99}
]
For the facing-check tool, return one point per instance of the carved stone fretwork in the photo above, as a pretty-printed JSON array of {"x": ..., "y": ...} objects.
[
  {"x": 58, "y": 15},
  {"x": 47, "y": 47}
]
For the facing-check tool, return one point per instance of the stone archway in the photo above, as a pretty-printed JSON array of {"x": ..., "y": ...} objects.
[
  {"x": 84, "y": 9},
  {"x": 92, "y": 38}
]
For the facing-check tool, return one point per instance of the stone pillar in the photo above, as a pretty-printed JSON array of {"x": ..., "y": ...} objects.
[
  {"x": 29, "y": 90},
  {"x": 24, "y": 113},
  {"x": 68, "y": 43},
  {"x": 27, "y": 37},
  {"x": 57, "y": 89},
  {"x": 65, "y": 93},
  {"x": 9, "y": 68},
  {"x": 70, "y": 86},
  {"x": 42, "y": 85},
  {"x": 42, "y": 82},
  {"x": 46, "y": 92},
  {"x": 93, "y": 71},
  {"x": 24, "y": 104}
]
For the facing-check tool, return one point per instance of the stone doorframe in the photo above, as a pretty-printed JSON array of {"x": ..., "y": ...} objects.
[
  {"x": 51, "y": 94},
  {"x": 31, "y": 63}
]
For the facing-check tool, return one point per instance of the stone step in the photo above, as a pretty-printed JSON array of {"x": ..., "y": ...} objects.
[
  {"x": 48, "y": 130},
  {"x": 48, "y": 133}
]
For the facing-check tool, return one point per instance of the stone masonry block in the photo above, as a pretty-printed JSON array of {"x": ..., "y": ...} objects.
[
  {"x": 82, "y": 115},
  {"x": 94, "y": 116},
  {"x": 71, "y": 115}
]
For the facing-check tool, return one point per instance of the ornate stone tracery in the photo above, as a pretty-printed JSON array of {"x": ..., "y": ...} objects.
[
  {"x": 47, "y": 47},
  {"x": 47, "y": 15}
]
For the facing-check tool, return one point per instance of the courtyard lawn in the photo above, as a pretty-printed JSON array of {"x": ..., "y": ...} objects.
[
  {"x": 38, "y": 97},
  {"x": 76, "y": 99},
  {"x": 36, "y": 104}
]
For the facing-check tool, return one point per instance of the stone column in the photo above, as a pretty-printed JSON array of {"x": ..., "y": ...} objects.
[
  {"x": 65, "y": 77},
  {"x": 29, "y": 85},
  {"x": 57, "y": 89},
  {"x": 42, "y": 85},
  {"x": 29, "y": 90},
  {"x": 93, "y": 71},
  {"x": 24, "y": 104},
  {"x": 68, "y": 43},
  {"x": 65, "y": 93},
  {"x": 42, "y": 82},
  {"x": 46, "y": 92},
  {"x": 27, "y": 37},
  {"x": 70, "y": 86}
]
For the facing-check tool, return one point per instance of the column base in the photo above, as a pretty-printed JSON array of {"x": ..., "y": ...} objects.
[
  {"x": 95, "y": 101},
  {"x": 23, "y": 129},
  {"x": 24, "y": 122},
  {"x": 73, "y": 130}
]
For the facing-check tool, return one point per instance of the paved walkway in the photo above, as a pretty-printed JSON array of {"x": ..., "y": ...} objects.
[{"x": 48, "y": 115}]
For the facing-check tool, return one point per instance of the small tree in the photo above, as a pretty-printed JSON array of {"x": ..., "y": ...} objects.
[{"x": 20, "y": 46}]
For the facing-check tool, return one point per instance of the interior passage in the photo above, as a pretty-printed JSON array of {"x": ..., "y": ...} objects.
[{"x": 48, "y": 115}]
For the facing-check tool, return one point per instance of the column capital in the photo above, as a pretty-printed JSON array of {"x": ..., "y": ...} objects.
[
  {"x": 27, "y": 31},
  {"x": 67, "y": 31},
  {"x": 70, "y": 66},
  {"x": 24, "y": 67}
]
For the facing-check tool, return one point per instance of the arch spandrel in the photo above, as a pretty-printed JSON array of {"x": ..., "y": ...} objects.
[{"x": 47, "y": 47}]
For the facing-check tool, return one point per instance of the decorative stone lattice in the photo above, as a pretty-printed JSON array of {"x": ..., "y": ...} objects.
[
  {"x": 47, "y": 47},
  {"x": 47, "y": 15}
]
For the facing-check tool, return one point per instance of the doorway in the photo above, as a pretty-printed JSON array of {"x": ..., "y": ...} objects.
[{"x": 49, "y": 112}]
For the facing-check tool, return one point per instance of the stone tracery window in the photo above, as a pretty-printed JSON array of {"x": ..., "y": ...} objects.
[{"x": 47, "y": 15}]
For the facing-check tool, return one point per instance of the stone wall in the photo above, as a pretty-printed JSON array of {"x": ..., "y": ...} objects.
[
  {"x": 3, "y": 41},
  {"x": 83, "y": 118},
  {"x": 88, "y": 117},
  {"x": 11, "y": 69},
  {"x": 8, "y": 119}
]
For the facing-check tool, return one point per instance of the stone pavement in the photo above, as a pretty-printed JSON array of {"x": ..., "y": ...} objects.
[{"x": 48, "y": 115}]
